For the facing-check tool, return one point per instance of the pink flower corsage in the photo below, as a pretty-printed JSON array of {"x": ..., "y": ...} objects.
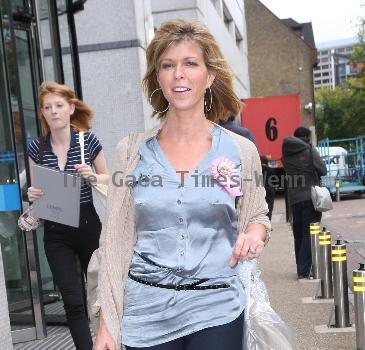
[{"x": 223, "y": 170}]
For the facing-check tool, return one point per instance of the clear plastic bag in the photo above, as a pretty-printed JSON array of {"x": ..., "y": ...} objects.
[{"x": 264, "y": 329}]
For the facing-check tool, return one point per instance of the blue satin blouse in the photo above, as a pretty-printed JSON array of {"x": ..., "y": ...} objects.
[{"x": 188, "y": 227}]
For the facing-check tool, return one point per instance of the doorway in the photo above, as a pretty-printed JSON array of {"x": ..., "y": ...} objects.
[{"x": 19, "y": 76}]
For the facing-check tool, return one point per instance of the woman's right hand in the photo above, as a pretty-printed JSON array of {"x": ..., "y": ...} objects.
[
  {"x": 34, "y": 193},
  {"x": 103, "y": 340}
]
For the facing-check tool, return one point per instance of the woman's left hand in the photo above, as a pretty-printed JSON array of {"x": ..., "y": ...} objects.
[
  {"x": 86, "y": 172},
  {"x": 249, "y": 245}
]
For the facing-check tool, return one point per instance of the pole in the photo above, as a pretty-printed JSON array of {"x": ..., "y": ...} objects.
[
  {"x": 314, "y": 230},
  {"x": 74, "y": 48},
  {"x": 325, "y": 264},
  {"x": 340, "y": 285},
  {"x": 337, "y": 190},
  {"x": 59, "y": 76},
  {"x": 359, "y": 297}
]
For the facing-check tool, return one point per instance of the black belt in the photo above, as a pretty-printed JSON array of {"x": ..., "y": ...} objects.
[
  {"x": 178, "y": 287},
  {"x": 190, "y": 286}
]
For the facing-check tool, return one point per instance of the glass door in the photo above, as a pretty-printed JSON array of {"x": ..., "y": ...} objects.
[
  {"x": 26, "y": 58},
  {"x": 18, "y": 125}
]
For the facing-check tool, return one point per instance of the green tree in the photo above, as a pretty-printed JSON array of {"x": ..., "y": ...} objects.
[
  {"x": 340, "y": 113},
  {"x": 359, "y": 53},
  {"x": 358, "y": 60}
]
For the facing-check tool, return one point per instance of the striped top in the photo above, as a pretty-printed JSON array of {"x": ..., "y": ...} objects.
[{"x": 92, "y": 149}]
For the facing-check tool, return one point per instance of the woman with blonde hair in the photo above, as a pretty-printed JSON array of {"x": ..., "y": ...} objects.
[
  {"x": 63, "y": 117},
  {"x": 167, "y": 270}
]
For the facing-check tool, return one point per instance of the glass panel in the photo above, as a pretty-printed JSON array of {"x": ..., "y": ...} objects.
[
  {"x": 21, "y": 7},
  {"x": 46, "y": 275},
  {"x": 30, "y": 126},
  {"x": 61, "y": 5},
  {"x": 66, "y": 51},
  {"x": 65, "y": 42},
  {"x": 11, "y": 238},
  {"x": 26, "y": 83},
  {"x": 46, "y": 40}
]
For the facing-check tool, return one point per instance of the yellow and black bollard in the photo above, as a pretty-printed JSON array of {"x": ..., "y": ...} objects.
[
  {"x": 325, "y": 264},
  {"x": 314, "y": 230},
  {"x": 359, "y": 297},
  {"x": 340, "y": 285},
  {"x": 337, "y": 184}
]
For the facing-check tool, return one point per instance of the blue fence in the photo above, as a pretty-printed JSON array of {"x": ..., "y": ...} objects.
[{"x": 345, "y": 161}]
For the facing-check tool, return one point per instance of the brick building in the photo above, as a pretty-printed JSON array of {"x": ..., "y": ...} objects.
[{"x": 281, "y": 56}]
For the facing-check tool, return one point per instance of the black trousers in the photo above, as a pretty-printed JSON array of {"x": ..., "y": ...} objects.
[
  {"x": 62, "y": 245},
  {"x": 225, "y": 337},
  {"x": 303, "y": 214}
]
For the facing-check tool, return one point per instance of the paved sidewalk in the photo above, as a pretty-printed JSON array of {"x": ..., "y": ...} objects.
[
  {"x": 285, "y": 291},
  {"x": 347, "y": 221}
]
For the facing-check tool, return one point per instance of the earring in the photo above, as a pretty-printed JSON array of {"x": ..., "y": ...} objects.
[
  {"x": 150, "y": 99},
  {"x": 210, "y": 100}
]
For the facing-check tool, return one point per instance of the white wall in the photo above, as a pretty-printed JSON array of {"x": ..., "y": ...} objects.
[
  {"x": 111, "y": 78},
  {"x": 237, "y": 58}
]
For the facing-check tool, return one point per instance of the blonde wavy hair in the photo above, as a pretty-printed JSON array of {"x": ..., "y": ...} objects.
[
  {"x": 80, "y": 119},
  {"x": 224, "y": 99}
]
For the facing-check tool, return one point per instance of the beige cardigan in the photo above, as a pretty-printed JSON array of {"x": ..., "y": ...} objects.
[{"x": 109, "y": 265}]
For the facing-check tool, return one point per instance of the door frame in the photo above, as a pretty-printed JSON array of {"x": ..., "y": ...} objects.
[{"x": 38, "y": 331}]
